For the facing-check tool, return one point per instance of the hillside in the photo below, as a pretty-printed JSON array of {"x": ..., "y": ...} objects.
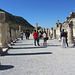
[{"x": 15, "y": 21}]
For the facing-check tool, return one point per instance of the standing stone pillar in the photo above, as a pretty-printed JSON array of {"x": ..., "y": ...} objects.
[
  {"x": 8, "y": 33},
  {"x": 36, "y": 26},
  {"x": 43, "y": 29},
  {"x": 70, "y": 32},
  {"x": 47, "y": 32},
  {"x": 16, "y": 34},
  {"x": 20, "y": 28},
  {"x": 8, "y": 36},
  {"x": 54, "y": 33},
  {"x": 19, "y": 31},
  {"x": 3, "y": 30},
  {"x": 51, "y": 33}
]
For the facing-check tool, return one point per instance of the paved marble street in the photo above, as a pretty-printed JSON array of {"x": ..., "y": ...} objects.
[{"x": 26, "y": 59}]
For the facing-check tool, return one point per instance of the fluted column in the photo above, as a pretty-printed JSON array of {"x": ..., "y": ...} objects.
[{"x": 70, "y": 32}]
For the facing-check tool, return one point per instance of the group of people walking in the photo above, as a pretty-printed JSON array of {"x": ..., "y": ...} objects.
[
  {"x": 38, "y": 35},
  {"x": 26, "y": 33},
  {"x": 43, "y": 35}
]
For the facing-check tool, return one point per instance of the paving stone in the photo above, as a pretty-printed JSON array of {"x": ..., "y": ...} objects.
[{"x": 26, "y": 59}]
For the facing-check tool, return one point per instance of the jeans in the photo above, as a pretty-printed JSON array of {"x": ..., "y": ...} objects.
[{"x": 36, "y": 40}]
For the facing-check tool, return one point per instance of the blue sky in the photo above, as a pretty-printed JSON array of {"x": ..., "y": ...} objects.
[{"x": 44, "y": 12}]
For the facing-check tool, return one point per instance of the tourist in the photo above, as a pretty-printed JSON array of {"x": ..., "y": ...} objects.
[
  {"x": 27, "y": 34},
  {"x": 40, "y": 34},
  {"x": 21, "y": 34},
  {"x": 45, "y": 39},
  {"x": 63, "y": 39},
  {"x": 35, "y": 36}
]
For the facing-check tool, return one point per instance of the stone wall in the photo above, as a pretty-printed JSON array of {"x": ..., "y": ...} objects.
[{"x": 65, "y": 25}]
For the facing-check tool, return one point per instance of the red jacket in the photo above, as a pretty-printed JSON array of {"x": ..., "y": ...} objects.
[{"x": 35, "y": 35}]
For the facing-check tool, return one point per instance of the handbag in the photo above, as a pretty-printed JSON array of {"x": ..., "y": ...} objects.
[{"x": 46, "y": 38}]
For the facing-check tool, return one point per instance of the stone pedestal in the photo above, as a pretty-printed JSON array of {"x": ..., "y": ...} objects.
[
  {"x": 3, "y": 34},
  {"x": 70, "y": 32},
  {"x": 3, "y": 30}
]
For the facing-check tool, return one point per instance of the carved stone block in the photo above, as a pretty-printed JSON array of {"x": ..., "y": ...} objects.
[{"x": 2, "y": 17}]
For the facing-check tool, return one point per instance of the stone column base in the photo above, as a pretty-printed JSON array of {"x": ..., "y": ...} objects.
[{"x": 1, "y": 52}]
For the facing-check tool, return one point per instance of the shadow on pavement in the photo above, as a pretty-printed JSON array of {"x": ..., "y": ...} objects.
[
  {"x": 54, "y": 45},
  {"x": 27, "y": 47},
  {"x": 40, "y": 53},
  {"x": 73, "y": 47},
  {"x": 5, "y": 67},
  {"x": 22, "y": 44}
]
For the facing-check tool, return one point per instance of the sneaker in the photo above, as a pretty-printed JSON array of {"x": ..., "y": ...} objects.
[{"x": 38, "y": 45}]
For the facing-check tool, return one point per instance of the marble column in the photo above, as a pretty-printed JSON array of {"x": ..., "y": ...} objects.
[
  {"x": 43, "y": 29},
  {"x": 51, "y": 33},
  {"x": 70, "y": 32},
  {"x": 36, "y": 27},
  {"x": 54, "y": 33},
  {"x": 47, "y": 31}
]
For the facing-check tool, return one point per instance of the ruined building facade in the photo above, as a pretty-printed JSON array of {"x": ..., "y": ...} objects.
[{"x": 68, "y": 25}]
